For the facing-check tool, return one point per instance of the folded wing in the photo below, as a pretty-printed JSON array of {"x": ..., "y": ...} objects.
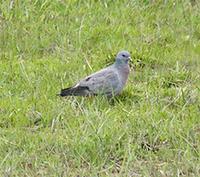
[{"x": 105, "y": 82}]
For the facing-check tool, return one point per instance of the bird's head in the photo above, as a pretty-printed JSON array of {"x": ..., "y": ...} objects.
[{"x": 123, "y": 57}]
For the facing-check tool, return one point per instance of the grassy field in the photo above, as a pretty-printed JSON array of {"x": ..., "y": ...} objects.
[{"x": 151, "y": 129}]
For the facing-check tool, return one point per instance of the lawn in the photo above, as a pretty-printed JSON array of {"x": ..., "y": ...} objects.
[{"x": 151, "y": 129}]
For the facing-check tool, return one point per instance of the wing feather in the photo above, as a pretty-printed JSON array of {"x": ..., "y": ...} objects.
[{"x": 105, "y": 81}]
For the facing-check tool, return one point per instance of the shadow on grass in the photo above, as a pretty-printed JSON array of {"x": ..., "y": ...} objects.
[{"x": 126, "y": 98}]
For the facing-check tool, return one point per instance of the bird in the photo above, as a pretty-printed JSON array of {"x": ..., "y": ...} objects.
[{"x": 109, "y": 81}]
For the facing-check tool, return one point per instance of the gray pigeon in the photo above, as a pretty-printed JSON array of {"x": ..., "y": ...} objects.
[{"x": 108, "y": 81}]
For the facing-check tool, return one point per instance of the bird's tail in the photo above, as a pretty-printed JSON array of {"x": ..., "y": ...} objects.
[{"x": 75, "y": 91}]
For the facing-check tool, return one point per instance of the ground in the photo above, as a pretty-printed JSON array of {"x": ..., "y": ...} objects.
[{"x": 151, "y": 129}]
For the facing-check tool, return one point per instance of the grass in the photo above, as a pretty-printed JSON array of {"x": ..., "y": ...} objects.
[{"x": 151, "y": 129}]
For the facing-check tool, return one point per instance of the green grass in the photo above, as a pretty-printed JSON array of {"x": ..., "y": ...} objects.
[{"x": 151, "y": 129}]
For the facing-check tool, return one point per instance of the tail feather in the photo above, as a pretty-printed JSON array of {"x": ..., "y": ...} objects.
[{"x": 75, "y": 91}]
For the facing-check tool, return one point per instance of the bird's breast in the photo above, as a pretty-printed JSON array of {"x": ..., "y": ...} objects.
[{"x": 124, "y": 72}]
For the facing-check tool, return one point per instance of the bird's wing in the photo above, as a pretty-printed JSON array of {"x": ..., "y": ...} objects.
[{"x": 105, "y": 81}]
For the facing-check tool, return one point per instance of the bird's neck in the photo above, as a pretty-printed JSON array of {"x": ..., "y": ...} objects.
[
  {"x": 123, "y": 69},
  {"x": 119, "y": 63}
]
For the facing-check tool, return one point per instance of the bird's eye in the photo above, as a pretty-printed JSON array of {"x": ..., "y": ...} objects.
[{"x": 123, "y": 55}]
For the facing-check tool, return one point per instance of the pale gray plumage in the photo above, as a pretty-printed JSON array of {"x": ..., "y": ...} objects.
[{"x": 109, "y": 81}]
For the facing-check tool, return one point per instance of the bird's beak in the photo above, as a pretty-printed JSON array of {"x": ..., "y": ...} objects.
[{"x": 129, "y": 58}]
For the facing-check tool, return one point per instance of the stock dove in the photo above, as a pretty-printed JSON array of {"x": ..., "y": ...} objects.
[{"x": 109, "y": 81}]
